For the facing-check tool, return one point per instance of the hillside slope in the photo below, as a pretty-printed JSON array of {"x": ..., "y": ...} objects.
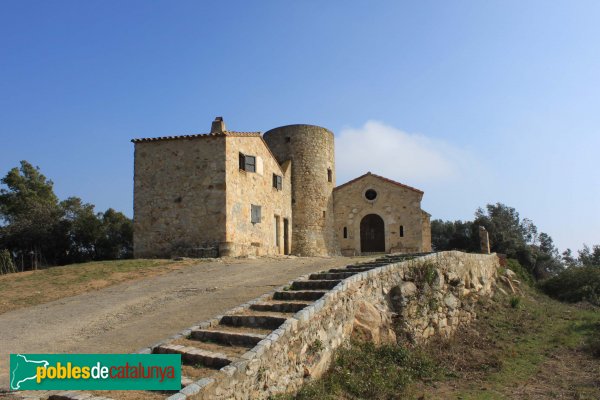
[{"x": 520, "y": 347}]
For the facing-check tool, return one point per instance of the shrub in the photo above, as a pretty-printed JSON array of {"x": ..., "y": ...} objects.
[
  {"x": 6, "y": 263},
  {"x": 365, "y": 371},
  {"x": 425, "y": 273},
  {"x": 524, "y": 275},
  {"x": 575, "y": 284},
  {"x": 593, "y": 343},
  {"x": 515, "y": 302}
]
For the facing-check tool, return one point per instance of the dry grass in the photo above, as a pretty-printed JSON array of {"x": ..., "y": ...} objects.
[
  {"x": 538, "y": 349},
  {"x": 25, "y": 289},
  {"x": 535, "y": 351}
]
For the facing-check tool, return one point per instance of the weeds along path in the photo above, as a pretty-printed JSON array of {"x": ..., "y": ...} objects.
[{"x": 130, "y": 315}]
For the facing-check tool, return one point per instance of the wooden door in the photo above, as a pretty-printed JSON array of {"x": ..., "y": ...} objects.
[{"x": 372, "y": 234}]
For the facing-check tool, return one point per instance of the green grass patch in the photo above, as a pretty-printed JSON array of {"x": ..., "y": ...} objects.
[
  {"x": 365, "y": 371},
  {"x": 522, "y": 273}
]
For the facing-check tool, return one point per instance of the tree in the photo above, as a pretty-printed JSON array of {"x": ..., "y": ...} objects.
[
  {"x": 507, "y": 233},
  {"x": 30, "y": 213},
  {"x": 116, "y": 239},
  {"x": 37, "y": 228},
  {"x": 590, "y": 256},
  {"x": 568, "y": 259},
  {"x": 453, "y": 235},
  {"x": 84, "y": 229},
  {"x": 547, "y": 259}
]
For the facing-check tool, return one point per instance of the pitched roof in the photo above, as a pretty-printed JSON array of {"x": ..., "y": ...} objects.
[
  {"x": 381, "y": 178},
  {"x": 198, "y": 135}
]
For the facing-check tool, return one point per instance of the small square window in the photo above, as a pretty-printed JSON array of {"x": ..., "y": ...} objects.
[
  {"x": 247, "y": 163},
  {"x": 255, "y": 216}
]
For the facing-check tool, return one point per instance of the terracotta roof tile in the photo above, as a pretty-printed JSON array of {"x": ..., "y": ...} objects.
[
  {"x": 383, "y": 179},
  {"x": 198, "y": 135}
]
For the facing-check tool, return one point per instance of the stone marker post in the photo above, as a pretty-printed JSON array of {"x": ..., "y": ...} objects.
[{"x": 484, "y": 240}]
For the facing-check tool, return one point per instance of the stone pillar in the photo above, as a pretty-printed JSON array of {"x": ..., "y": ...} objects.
[{"x": 484, "y": 240}]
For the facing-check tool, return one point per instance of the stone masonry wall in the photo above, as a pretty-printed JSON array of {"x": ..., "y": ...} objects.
[
  {"x": 426, "y": 225},
  {"x": 311, "y": 150},
  {"x": 247, "y": 188},
  {"x": 179, "y": 195},
  {"x": 396, "y": 205},
  {"x": 431, "y": 295}
]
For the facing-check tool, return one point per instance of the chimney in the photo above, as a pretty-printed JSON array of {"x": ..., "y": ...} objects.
[{"x": 218, "y": 125}]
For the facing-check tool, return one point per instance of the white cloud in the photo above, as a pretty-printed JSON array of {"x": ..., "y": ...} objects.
[{"x": 405, "y": 157}]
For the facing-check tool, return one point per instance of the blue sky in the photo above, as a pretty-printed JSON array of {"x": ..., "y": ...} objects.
[{"x": 471, "y": 101}]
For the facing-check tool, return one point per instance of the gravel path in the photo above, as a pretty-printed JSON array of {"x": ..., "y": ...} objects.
[{"x": 128, "y": 316}]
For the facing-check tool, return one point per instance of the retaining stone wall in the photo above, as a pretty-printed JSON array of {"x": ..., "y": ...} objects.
[{"x": 431, "y": 295}]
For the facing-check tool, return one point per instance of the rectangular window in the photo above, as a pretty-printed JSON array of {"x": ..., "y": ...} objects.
[
  {"x": 250, "y": 163},
  {"x": 329, "y": 175},
  {"x": 345, "y": 233},
  {"x": 401, "y": 230},
  {"x": 255, "y": 214},
  {"x": 247, "y": 163},
  {"x": 277, "y": 182}
]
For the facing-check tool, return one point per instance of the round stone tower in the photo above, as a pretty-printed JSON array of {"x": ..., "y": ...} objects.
[{"x": 311, "y": 150}]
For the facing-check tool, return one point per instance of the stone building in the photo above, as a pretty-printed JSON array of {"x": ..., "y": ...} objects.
[{"x": 242, "y": 193}]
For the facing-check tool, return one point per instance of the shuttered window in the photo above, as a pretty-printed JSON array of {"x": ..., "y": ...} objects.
[
  {"x": 247, "y": 163},
  {"x": 277, "y": 182}
]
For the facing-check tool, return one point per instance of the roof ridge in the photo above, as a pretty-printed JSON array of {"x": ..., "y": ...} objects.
[
  {"x": 369, "y": 173},
  {"x": 197, "y": 135}
]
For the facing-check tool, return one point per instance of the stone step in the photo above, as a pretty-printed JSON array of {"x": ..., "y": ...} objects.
[
  {"x": 375, "y": 265},
  {"x": 353, "y": 267},
  {"x": 354, "y": 270},
  {"x": 227, "y": 338},
  {"x": 299, "y": 295},
  {"x": 314, "y": 284},
  {"x": 192, "y": 355},
  {"x": 283, "y": 306},
  {"x": 331, "y": 275},
  {"x": 406, "y": 255},
  {"x": 241, "y": 329},
  {"x": 253, "y": 321}
]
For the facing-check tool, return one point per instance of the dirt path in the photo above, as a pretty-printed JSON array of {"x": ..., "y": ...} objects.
[{"x": 128, "y": 316}]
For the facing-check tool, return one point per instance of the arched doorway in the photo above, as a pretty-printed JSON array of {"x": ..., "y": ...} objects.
[{"x": 372, "y": 234}]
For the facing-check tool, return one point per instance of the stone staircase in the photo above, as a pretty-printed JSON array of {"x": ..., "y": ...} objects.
[
  {"x": 213, "y": 348},
  {"x": 206, "y": 349}
]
